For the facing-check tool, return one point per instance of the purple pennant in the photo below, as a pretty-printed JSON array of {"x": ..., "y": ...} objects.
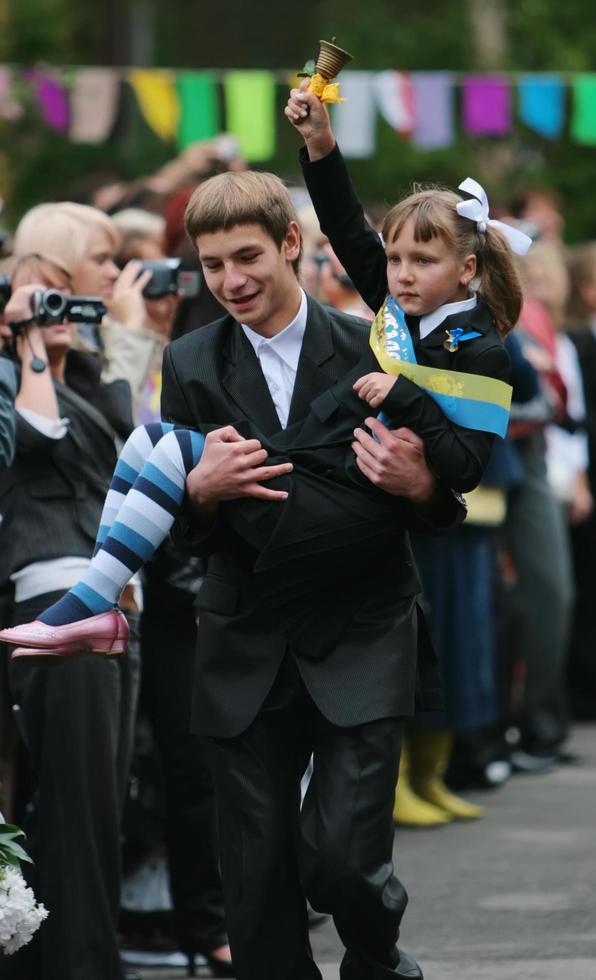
[
  {"x": 52, "y": 98},
  {"x": 486, "y": 105},
  {"x": 433, "y": 109}
]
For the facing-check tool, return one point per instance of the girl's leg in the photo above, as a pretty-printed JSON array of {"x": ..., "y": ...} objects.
[
  {"x": 134, "y": 529},
  {"x": 133, "y": 455}
]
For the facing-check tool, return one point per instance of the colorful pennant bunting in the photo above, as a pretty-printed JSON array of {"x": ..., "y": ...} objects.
[
  {"x": 395, "y": 99},
  {"x": 486, "y": 101},
  {"x": 250, "y": 112},
  {"x": 184, "y": 106},
  {"x": 354, "y": 119},
  {"x": 197, "y": 92},
  {"x": 52, "y": 98},
  {"x": 583, "y": 119},
  {"x": 433, "y": 109},
  {"x": 542, "y": 104},
  {"x": 93, "y": 104},
  {"x": 158, "y": 100}
]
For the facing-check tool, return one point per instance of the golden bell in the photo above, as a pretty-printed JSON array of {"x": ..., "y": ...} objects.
[{"x": 331, "y": 60}]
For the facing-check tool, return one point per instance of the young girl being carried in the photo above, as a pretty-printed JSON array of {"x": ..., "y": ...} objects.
[
  {"x": 435, "y": 243},
  {"x": 441, "y": 343}
]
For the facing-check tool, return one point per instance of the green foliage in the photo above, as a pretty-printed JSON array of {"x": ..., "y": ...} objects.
[
  {"x": 42, "y": 30},
  {"x": 547, "y": 35},
  {"x": 385, "y": 34},
  {"x": 11, "y": 853}
]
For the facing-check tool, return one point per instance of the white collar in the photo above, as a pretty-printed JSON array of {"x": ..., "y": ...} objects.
[
  {"x": 288, "y": 342},
  {"x": 430, "y": 321}
]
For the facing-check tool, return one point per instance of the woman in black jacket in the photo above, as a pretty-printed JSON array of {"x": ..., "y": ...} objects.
[{"x": 76, "y": 720}]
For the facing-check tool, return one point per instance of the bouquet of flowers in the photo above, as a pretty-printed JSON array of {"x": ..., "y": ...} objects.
[{"x": 20, "y": 915}]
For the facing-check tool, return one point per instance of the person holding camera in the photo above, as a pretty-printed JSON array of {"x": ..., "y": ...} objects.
[
  {"x": 76, "y": 722},
  {"x": 84, "y": 241}
]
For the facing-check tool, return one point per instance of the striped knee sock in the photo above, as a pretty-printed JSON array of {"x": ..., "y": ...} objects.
[
  {"x": 135, "y": 452},
  {"x": 133, "y": 524}
]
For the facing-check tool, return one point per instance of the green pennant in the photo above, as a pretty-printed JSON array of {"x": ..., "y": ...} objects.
[
  {"x": 199, "y": 120},
  {"x": 250, "y": 112},
  {"x": 583, "y": 120}
]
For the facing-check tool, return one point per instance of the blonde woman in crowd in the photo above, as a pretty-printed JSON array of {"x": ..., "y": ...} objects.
[{"x": 84, "y": 241}]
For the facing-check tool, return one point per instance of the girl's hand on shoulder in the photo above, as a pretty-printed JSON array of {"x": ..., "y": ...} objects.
[
  {"x": 127, "y": 304},
  {"x": 309, "y": 116},
  {"x": 374, "y": 388}
]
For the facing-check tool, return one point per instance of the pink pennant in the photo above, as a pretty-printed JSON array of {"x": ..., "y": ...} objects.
[
  {"x": 486, "y": 105},
  {"x": 52, "y": 98}
]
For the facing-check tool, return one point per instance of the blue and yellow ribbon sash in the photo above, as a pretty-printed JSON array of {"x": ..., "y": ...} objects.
[{"x": 470, "y": 400}]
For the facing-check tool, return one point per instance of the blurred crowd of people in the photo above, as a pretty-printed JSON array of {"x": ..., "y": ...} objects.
[{"x": 508, "y": 595}]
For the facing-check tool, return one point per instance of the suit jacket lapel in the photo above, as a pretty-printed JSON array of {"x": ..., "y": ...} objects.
[
  {"x": 245, "y": 382},
  {"x": 315, "y": 367}
]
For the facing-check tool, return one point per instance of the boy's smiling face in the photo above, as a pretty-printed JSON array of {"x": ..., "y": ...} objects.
[{"x": 251, "y": 276}]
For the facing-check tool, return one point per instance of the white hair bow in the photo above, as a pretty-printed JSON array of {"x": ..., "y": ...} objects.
[{"x": 476, "y": 209}]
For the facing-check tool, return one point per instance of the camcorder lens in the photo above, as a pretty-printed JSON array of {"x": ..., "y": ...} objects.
[{"x": 54, "y": 302}]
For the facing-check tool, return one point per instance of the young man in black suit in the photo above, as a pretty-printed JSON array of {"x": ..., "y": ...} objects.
[{"x": 285, "y": 670}]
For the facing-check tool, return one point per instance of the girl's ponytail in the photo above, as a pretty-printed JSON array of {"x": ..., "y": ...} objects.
[{"x": 500, "y": 284}]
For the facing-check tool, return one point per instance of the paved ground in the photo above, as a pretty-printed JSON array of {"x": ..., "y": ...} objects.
[{"x": 511, "y": 897}]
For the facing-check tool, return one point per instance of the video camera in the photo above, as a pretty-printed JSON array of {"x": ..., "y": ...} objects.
[
  {"x": 169, "y": 278},
  {"x": 51, "y": 306}
]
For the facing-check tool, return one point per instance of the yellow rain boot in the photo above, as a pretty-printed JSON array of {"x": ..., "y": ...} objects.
[
  {"x": 430, "y": 752},
  {"x": 409, "y": 809}
]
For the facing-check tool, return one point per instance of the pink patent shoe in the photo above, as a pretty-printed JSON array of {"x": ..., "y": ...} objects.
[
  {"x": 107, "y": 633},
  {"x": 50, "y": 657}
]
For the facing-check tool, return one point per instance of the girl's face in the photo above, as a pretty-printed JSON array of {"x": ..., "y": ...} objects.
[
  {"x": 425, "y": 275},
  {"x": 96, "y": 273}
]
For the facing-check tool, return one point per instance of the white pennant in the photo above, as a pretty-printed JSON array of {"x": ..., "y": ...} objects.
[
  {"x": 395, "y": 99},
  {"x": 354, "y": 121},
  {"x": 476, "y": 209},
  {"x": 93, "y": 104}
]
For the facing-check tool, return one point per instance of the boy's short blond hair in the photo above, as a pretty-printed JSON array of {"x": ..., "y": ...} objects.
[
  {"x": 244, "y": 197},
  {"x": 62, "y": 232}
]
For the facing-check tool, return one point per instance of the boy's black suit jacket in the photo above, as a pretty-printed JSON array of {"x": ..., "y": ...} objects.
[{"x": 346, "y": 609}]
